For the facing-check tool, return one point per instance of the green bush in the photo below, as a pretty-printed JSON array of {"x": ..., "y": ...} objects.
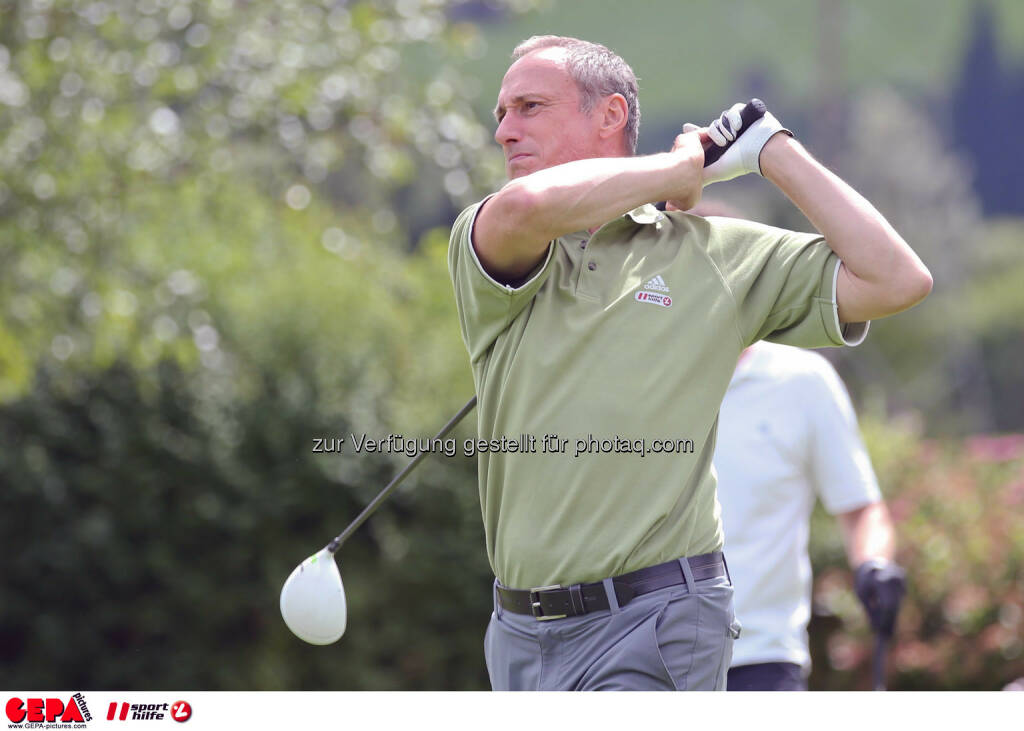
[
  {"x": 149, "y": 536},
  {"x": 957, "y": 507}
]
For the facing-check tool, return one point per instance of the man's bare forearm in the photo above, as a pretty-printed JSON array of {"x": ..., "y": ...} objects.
[
  {"x": 868, "y": 533},
  {"x": 881, "y": 275},
  {"x": 514, "y": 226}
]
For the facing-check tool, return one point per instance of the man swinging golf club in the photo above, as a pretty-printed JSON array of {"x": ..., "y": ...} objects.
[{"x": 590, "y": 315}]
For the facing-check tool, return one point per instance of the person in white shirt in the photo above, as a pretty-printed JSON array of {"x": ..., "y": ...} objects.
[{"x": 787, "y": 434}]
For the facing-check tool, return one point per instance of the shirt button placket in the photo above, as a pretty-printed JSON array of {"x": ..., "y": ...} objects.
[{"x": 586, "y": 285}]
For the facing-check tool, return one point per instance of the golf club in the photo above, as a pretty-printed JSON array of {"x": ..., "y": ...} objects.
[
  {"x": 313, "y": 597},
  {"x": 878, "y": 666},
  {"x": 751, "y": 112}
]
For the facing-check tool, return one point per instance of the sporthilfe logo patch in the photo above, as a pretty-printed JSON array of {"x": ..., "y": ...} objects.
[{"x": 662, "y": 300}]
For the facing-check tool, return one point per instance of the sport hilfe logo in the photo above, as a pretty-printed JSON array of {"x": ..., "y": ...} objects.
[
  {"x": 180, "y": 711},
  {"x": 661, "y": 300},
  {"x": 48, "y": 710}
]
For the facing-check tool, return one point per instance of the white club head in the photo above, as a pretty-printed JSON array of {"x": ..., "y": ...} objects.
[{"x": 313, "y": 600}]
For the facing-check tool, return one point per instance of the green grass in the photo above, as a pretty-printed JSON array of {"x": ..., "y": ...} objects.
[{"x": 691, "y": 55}]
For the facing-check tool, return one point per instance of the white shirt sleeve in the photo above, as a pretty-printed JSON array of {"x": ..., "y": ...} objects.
[{"x": 840, "y": 466}]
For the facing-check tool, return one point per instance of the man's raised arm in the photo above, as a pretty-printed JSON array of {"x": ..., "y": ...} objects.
[
  {"x": 880, "y": 275},
  {"x": 515, "y": 225}
]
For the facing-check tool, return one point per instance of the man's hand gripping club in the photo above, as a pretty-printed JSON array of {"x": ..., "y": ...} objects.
[{"x": 732, "y": 143}]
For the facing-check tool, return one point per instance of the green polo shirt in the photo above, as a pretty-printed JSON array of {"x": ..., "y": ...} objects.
[{"x": 600, "y": 379}]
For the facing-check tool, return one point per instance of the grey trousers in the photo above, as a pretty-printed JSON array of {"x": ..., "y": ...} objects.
[{"x": 670, "y": 639}]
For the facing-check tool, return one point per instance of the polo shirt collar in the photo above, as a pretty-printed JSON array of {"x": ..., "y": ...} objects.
[{"x": 645, "y": 214}]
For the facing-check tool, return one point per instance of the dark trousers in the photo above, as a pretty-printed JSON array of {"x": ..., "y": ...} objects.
[{"x": 766, "y": 676}]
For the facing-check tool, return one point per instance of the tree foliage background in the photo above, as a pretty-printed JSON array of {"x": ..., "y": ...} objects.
[
  {"x": 222, "y": 235},
  {"x": 207, "y": 264}
]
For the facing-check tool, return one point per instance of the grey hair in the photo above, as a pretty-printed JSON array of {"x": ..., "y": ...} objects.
[{"x": 598, "y": 72}]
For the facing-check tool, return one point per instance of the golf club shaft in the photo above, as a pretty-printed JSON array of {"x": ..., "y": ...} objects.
[
  {"x": 369, "y": 510},
  {"x": 881, "y": 643}
]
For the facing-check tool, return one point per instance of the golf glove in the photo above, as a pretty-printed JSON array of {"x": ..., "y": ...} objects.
[
  {"x": 744, "y": 145},
  {"x": 880, "y": 586}
]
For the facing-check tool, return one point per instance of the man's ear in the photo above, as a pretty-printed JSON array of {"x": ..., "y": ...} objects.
[{"x": 614, "y": 114}]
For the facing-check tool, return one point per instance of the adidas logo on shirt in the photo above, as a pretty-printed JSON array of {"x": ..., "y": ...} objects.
[{"x": 657, "y": 284}]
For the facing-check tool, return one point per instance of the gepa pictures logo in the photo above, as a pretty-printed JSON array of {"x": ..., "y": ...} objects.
[{"x": 33, "y": 712}]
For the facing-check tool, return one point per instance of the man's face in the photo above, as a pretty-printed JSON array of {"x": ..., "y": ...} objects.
[{"x": 539, "y": 119}]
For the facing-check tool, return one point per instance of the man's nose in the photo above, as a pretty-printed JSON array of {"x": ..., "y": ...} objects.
[{"x": 507, "y": 131}]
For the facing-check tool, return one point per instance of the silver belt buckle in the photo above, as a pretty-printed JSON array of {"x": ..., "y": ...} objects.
[{"x": 535, "y": 607}]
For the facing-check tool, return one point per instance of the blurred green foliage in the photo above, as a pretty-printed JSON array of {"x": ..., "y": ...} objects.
[
  {"x": 217, "y": 228},
  {"x": 151, "y": 532},
  {"x": 692, "y": 58},
  {"x": 956, "y": 506},
  {"x": 222, "y": 235},
  {"x": 154, "y": 154}
]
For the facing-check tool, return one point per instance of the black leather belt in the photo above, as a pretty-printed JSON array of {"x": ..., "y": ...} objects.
[{"x": 556, "y": 602}]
